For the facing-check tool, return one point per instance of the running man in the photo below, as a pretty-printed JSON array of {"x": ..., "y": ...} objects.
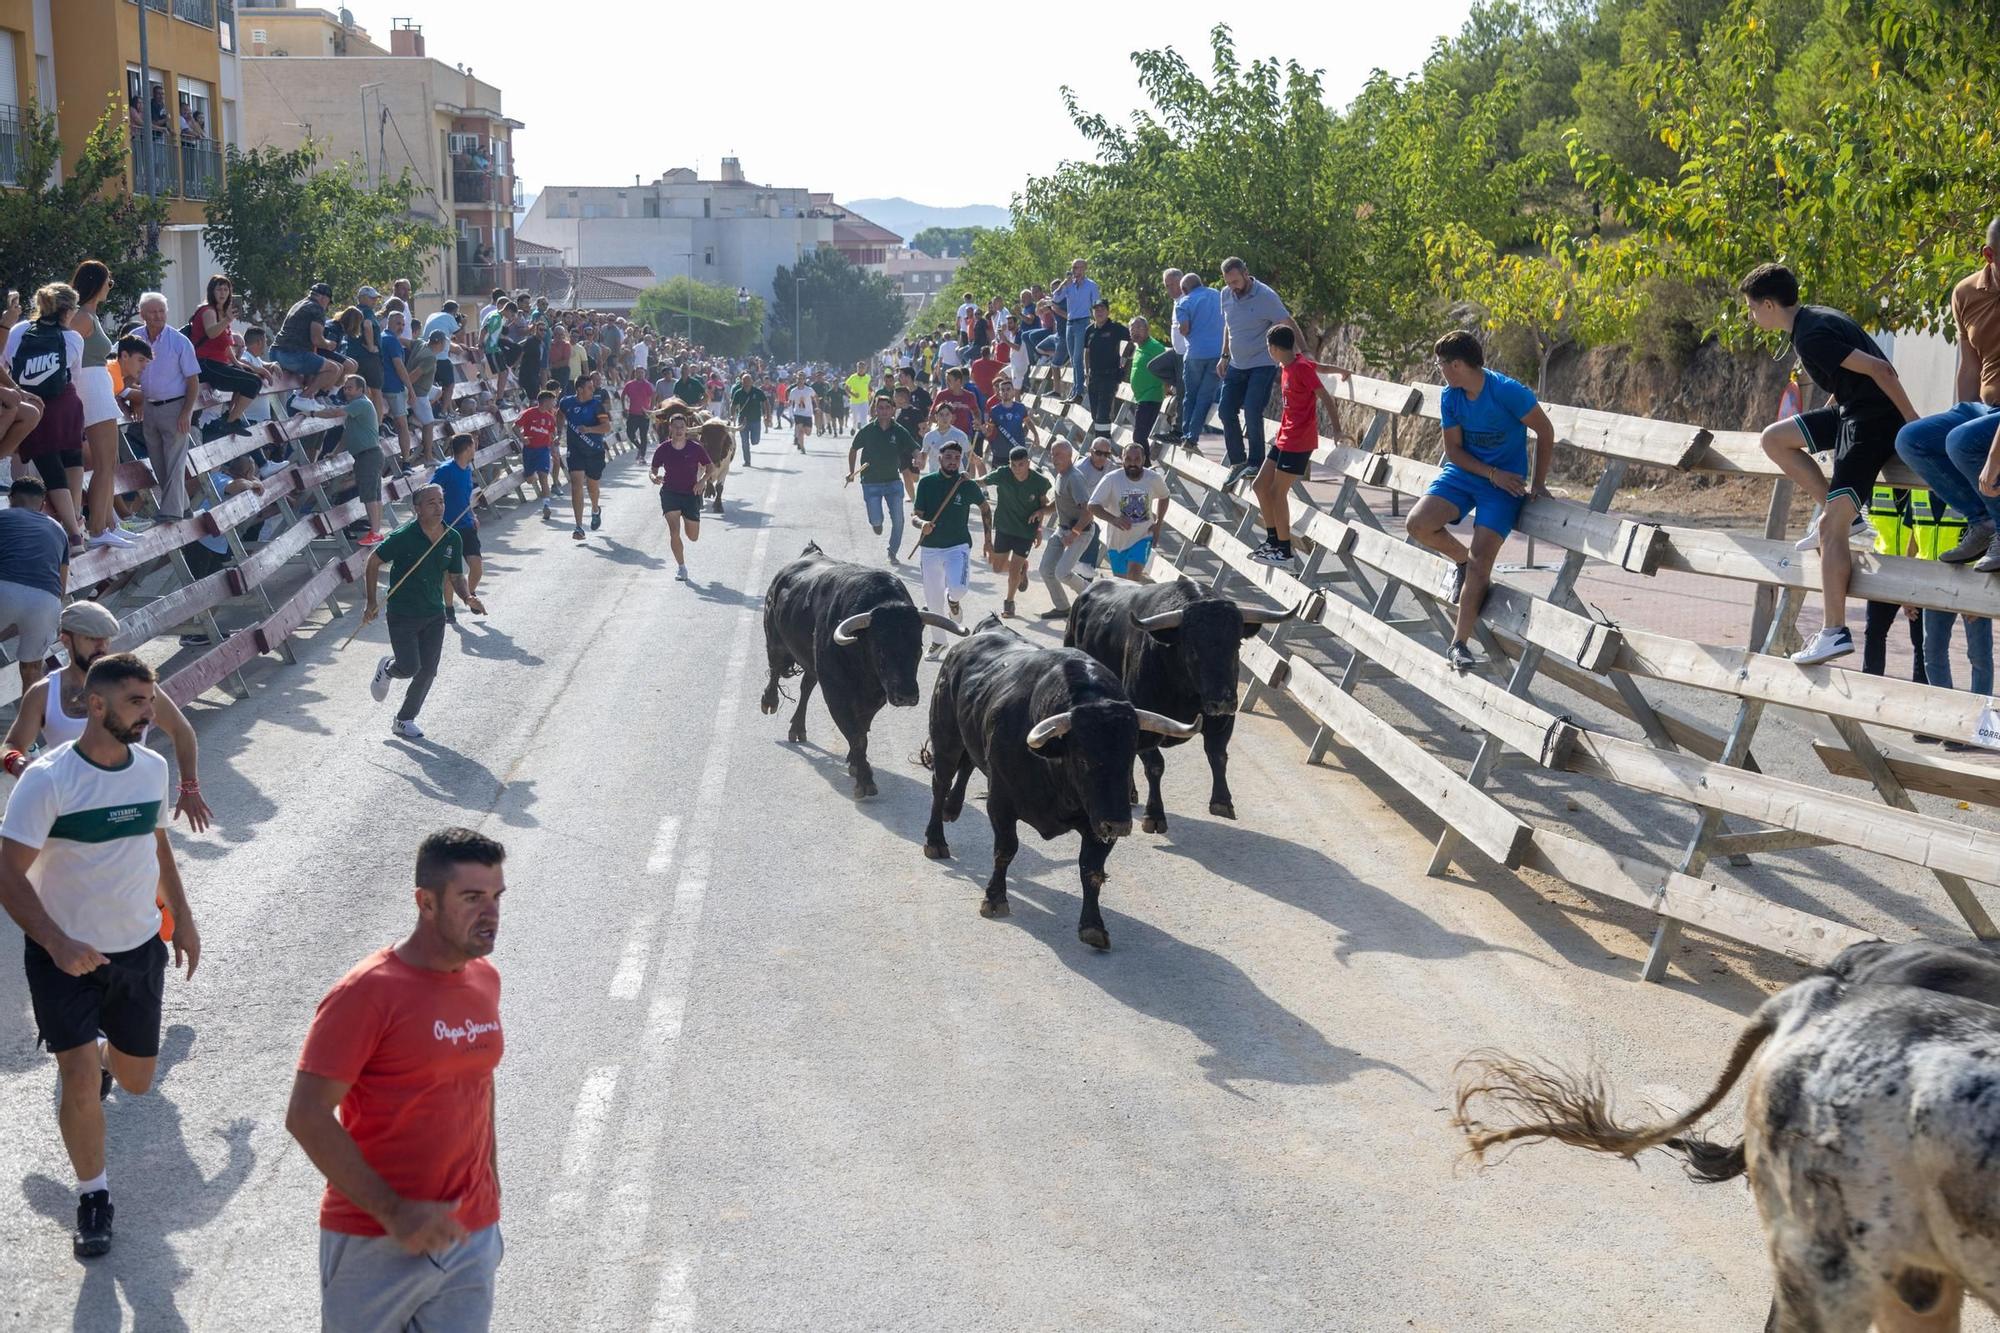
[
  {"x": 943, "y": 508},
  {"x": 589, "y": 418},
  {"x": 537, "y": 429},
  {"x": 1020, "y": 502},
  {"x": 800, "y": 404},
  {"x": 638, "y": 403},
  {"x": 748, "y": 404},
  {"x": 679, "y": 465},
  {"x": 887, "y": 457},
  {"x": 461, "y": 497},
  {"x": 1132, "y": 507},
  {"x": 84, "y": 866},
  {"x": 1073, "y": 539},
  {"x": 404, "y": 1048},
  {"x": 56, "y": 709},
  {"x": 421, "y": 555}
]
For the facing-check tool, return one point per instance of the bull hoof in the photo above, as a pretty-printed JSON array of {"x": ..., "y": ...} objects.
[
  {"x": 796, "y": 735},
  {"x": 1095, "y": 936},
  {"x": 936, "y": 851},
  {"x": 1222, "y": 808},
  {"x": 769, "y": 703},
  {"x": 864, "y": 788},
  {"x": 990, "y": 909},
  {"x": 1152, "y": 825}
]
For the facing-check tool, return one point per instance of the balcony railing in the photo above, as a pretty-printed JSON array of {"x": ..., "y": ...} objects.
[
  {"x": 10, "y": 145},
  {"x": 196, "y": 11},
  {"x": 225, "y": 24},
  {"x": 151, "y": 154},
  {"x": 478, "y": 279},
  {"x": 474, "y": 187},
  {"x": 201, "y": 168}
]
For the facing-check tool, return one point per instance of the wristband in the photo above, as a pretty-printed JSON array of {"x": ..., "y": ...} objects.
[
  {"x": 14, "y": 761},
  {"x": 189, "y": 784}
]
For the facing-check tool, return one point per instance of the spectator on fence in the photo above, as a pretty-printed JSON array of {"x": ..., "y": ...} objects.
[
  {"x": 1935, "y": 531},
  {"x": 421, "y": 362},
  {"x": 1104, "y": 341},
  {"x": 361, "y": 434},
  {"x": 1072, "y": 539},
  {"x": 422, "y": 556},
  {"x": 34, "y": 574},
  {"x": 364, "y": 346},
  {"x": 101, "y": 413},
  {"x": 44, "y": 356},
  {"x": 1250, "y": 310},
  {"x": 1076, "y": 295},
  {"x": 1198, "y": 318},
  {"x": 396, "y": 392},
  {"x": 215, "y": 350},
  {"x": 303, "y": 347},
  {"x": 1290, "y": 459},
  {"x": 1892, "y": 513},
  {"x": 253, "y": 357},
  {"x": 1170, "y": 288},
  {"x": 1953, "y": 450},
  {"x": 1149, "y": 394},
  {"x": 207, "y": 554},
  {"x": 1485, "y": 418},
  {"x": 1860, "y": 428},
  {"x": 530, "y": 363}
]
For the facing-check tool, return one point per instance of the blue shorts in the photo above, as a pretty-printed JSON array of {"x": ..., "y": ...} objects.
[
  {"x": 1132, "y": 557},
  {"x": 536, "y": 459},
  {"x": 1491, "y": 507},
  {"x": 306, "y": 364}
]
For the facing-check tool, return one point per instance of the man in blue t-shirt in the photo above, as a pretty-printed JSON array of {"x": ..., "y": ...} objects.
[
  {"x": 1486, "y": 418},
  {"x": 1198, "y": 317},
  {"x": 460, "y": 485}
]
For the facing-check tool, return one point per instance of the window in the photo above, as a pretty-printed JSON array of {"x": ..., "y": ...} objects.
[
  {"x": 708, "y": 255},
  {"x": 651, "y": 207},
  {"x": 463, "y": 144}
]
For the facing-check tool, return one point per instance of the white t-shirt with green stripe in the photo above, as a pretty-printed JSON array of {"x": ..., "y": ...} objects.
[{"x": 99, "y": 868}]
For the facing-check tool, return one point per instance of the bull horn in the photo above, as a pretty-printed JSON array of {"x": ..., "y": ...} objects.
[
  {"x": 936, "y": 621},
  {"x": 1257, "y": 615},
  {"x": 1048, "y": 728},
  {"x": 1162, "y": 725},
  {"x": 1162, "y": 620},
  {"x": 850, "y": 629}
]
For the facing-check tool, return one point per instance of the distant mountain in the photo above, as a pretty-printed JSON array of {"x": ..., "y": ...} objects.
[{"x": 906, "y": 219}]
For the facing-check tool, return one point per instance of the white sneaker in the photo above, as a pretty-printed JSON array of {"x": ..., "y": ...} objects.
[
  {"x": 1824, "y": 646},
  {"x": 934, "y": 652},
  {"x": 409, "y": 731},
  {"x": 1859, "y": 533},
  {"x": 379, "y": 687},
  {"x": 681, "y": 573},
  {"x": 111, "y": 537}
]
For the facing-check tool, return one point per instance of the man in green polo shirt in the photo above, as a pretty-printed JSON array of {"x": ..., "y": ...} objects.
[
  {"x": 886, "y": 454},
  {"x": 689, "y": 387},
  {"x": 1020, "y": 502},
  {"x": 1148, "y": 393},
  {"x": 943, "y": 507},
  {"x": 421, "y": 555}
]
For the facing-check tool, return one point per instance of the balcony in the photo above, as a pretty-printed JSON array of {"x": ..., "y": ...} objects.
[
  {"x": 201, "y": 168},
  {"x": 475, "y": 187},
  {"x": 152, "y": 163},
  {"x": 479, "y": 279},
  {"x": 10, "y": 146},
  {"x": 200, "y": 12}
]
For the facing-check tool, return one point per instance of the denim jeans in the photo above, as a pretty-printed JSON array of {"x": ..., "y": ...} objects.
[
  {"x": 1978, "y": 649},
  {"x": 1077, "y": 330},
  {"x": 749, "y": 431},
  {"x": 1948, "y": 450},
  {"x": 874, "y": 494},
  {"x": 1200, "y": 386},
  {"x": 1244, "y": 395}
]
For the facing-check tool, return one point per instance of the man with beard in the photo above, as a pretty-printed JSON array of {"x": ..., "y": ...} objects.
[
  {"x": 404, "y": 1048},
  {"x": 943, "y": 508},
  {"x": 1073, "y": 539},
  {"x": 83, "y": 855},
  {"x": 56, "y": 711},
  {"x": 1132, "y": 506}
]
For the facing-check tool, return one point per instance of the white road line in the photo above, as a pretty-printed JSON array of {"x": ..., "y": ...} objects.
[
  {"x": 586, "y": 1125},
  {"x": 663, "y": 846},
  {"x": 631, "y": 973},
  {"x": 624, "y": 1255}
]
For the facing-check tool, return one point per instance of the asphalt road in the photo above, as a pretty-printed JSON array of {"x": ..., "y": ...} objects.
[{"x": 767, "y": 1068}]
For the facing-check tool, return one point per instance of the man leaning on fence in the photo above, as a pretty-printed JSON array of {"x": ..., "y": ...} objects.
[{"x": 169, "y": 386}]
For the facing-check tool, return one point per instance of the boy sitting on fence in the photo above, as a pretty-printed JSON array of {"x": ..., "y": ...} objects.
[{"x": 1486, "y": 419}]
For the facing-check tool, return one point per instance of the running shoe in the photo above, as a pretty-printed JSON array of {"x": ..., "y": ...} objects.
[
  {"x": 408, "y": 730},
  {"x": 1978, "y": 537},
  {"x": 952, "y": 603},
  {"x": 239, "y": 427},
  {"x": 577, "y": 534},
  {"x": 1007, "y": 609},
  {"x": 1453, "y": 585},
  {"x": 1990, "y": 562},
  {"x": 596, "y": 519},
  {"x": 934, "y": 652},
  {"x": 1272, "y": 555},
  {"x": 1237, "y": 471},
  {"x": 1824, "y": 646},
  {"x": 681, "y": 573},
  {"x": 1055, "y": 613},
  {"x": 1459, "y": 657},
  {"x": 370, "y": 538},
  {"x": 1859, "y": 533},
  {"x": 379, "y": 686},
  {"x": 93, "y": 1225},
  {"x": 111, "y": 537}
]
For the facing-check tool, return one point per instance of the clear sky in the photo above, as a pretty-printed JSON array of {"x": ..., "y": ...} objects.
[{"x": 860, "y": 101}]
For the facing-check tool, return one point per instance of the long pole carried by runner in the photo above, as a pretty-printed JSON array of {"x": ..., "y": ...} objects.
[
  {"x": 942, "y": 506},
  {"x": 411, "y": 570}
]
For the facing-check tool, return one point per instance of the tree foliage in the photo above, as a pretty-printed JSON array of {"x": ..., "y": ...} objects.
[
  {"x": 284, "y": 220},
  {"x": 719, "y": 324},
  {"x": 945, "y": 242},
  {"x": 49, "y": 225},
  {"x": 842, "y": 313}
]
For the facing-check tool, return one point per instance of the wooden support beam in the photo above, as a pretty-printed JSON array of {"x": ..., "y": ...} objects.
[
  {"x": 175, "y": 608},
  {"x": 1937, "y": 775},
  {"x": 1877, "y": 578},
  {"x": 204, "y": 674},
  {"x": 268, "y": 559},
  {"x": 292, "y": 612}
]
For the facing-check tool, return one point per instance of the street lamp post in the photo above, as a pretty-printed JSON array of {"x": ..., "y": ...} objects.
[{"x": 797, "y": 315}]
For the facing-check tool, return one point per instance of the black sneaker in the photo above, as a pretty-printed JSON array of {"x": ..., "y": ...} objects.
[
  {"x": 596, "y": 519},
  {"x": 1459, "y": 657},
  {"x": 1270, "y": 553},
  {"x": 93, "y": 1225}
]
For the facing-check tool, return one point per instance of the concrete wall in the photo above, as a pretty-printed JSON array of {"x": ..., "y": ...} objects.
[{"x": 748, "y": 251}]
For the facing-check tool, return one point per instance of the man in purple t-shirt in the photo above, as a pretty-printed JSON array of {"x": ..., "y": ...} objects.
[{"x": 678, "y": 467}]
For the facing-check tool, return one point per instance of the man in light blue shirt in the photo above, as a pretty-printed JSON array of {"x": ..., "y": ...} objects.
[
  {"x": 1198, "y": 318},
  {"x": 1075, "y": 296},
  {"x": 1250, "y": 310}
]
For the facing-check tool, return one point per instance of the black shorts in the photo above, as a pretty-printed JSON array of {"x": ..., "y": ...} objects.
[
  {"x": 1294, "y": 461},
  {"x": 586, "y": 460},
  {"x": 1860, "y": 445},
  {"x": 120, "y": 999},
  {"x": 635, "y": 423},
  {"x": 680, "y": 502},
  {"x": 369, "y": 368},
  {"x": 444, "y": 375},
  {"x": 55, "y": 467},
  {"x": 468, "y": 541},
  {"x": 1006, "y": 543}
]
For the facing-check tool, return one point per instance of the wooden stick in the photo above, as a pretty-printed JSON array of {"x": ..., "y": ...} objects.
[{"x": 406, "y": 574}]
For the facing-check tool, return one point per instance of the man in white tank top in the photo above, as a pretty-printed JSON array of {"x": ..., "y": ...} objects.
[{"x": 53, "y": 710}]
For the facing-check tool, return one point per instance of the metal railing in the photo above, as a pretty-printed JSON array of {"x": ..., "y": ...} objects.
[
  {"x": 225, "y": 23},
  {"x": 10, "y": 145},
  {"x": 196, "y": 11},
  {"x": 474, "y": 187},
  {"x": 201, "y": 168},
  {"x": 150, "y": 151},
  {"x": 478, "y": 279}
]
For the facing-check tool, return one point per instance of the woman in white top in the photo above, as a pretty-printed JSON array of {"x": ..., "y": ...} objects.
[{"x": 101, "y": 413}]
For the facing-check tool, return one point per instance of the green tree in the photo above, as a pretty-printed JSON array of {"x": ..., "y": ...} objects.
[
  {"x": 945, "y": 242},
  {"x": 55, "y": 219},
  {"x": 283, "y": 221},
  {"x": 841, "y": 314},
  {"x": 711, "y": 311}
]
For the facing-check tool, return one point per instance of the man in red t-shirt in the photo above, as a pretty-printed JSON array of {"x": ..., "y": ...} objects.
[
  {"x": 405, "y": 1046},
  {"x": 1292, "y": 448},
  {"x": 965, "y": 409},
  {"x": 985, "y": 371},
  {"x": 537, "y": 429}
]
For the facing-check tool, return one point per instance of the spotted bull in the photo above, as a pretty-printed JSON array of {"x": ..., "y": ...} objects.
[{"x": 1055, "y": 736}]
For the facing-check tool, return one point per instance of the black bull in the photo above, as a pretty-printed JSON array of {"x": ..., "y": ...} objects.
[
  {"x": 1175, "y": 650},
  {"x": 853, "y": 631},
  {"x": 1055, "y": 735}
]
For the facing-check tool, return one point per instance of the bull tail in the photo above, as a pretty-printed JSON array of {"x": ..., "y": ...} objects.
[
  {"x": 924, "y": 759},
  {"x": 1548, "y": 1102}
]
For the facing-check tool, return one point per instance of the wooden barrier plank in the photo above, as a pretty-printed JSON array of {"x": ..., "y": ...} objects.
[
  {"x": 1853, "y": 821},
  {"x": 270, "y": 557},
  {"x": 1284, "y": 588},
  {"x": 196, "y": 679},
  {"x": 1877, "y": 578},
  {"x": 1483, "y": 821},
  {"x": 292, "y": 612},
  {"x": 104, "y": 562},
  {"x": 1638, "y": 439},
  {"x": 1937, "y": 775},
  {"x": 236, "y": 509},
  {"x": 176, "y": 608},
  {"x": 1638, "y": 547},
  {"x": 1265, "y": 662}
]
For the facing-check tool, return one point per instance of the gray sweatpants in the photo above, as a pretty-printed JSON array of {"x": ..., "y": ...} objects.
[
  {"x": 1059, "y": 564},
  {"x": 369, "y": 1284}
]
